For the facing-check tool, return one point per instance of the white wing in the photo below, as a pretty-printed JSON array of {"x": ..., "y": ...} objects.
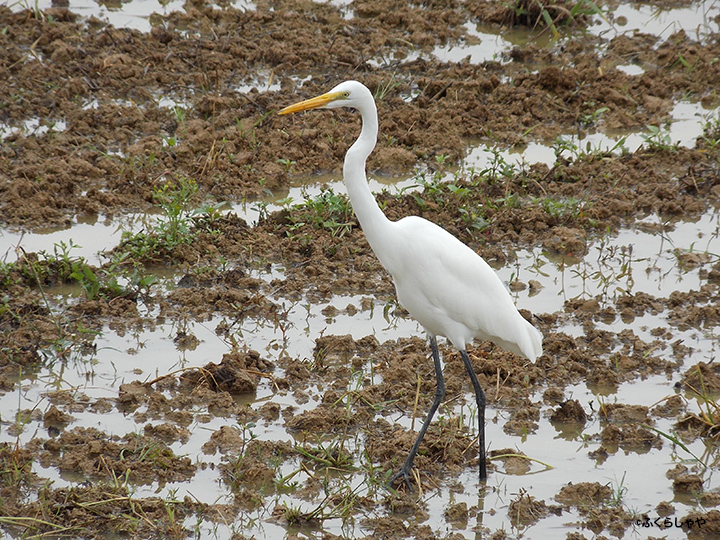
[{"x": 452, "y": 291}]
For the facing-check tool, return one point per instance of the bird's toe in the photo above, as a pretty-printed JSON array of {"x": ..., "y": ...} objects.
[{"x": 405, "y": 474}]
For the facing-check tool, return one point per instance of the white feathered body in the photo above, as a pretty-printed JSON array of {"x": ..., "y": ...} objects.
[
  {"x": 451, "y": 290},
  {"x": 443, "y": 283}
]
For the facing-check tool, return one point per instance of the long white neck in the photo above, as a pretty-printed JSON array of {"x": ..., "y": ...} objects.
[{"x": 373, "y": 221}]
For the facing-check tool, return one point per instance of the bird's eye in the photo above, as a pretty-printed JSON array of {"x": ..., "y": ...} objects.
[{"x": 346, "y": 95}]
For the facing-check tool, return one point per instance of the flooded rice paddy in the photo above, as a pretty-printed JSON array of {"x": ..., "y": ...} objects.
[{"x": 197, "y": 341}]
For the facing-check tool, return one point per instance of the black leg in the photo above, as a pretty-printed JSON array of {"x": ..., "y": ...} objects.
[
  {"x": 480, "y": 400},
  {"x": 439, "y": 396}
]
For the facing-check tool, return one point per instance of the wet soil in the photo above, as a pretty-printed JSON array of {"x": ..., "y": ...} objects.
[{"x": 109, "y": 147}]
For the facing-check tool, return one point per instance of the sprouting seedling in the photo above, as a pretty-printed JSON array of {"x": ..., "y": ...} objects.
[
  {"x": 592, "y": 118},
  {"x": 618, "y": 492},
  {"x": 673, "y": 438},
  {"x": 289, "y": 164},
  {"x": 180, "y": 114},
  {"x": 711, "y": 130},
  {"x": 658, "y": 139},
  {"x": 384, "y": 89},
  {"x": 534, "y": 12}
]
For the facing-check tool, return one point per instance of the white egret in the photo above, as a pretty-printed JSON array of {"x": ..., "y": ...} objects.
[{"x": 447, "y": 287}]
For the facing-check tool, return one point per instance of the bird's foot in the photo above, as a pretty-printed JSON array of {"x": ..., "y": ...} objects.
[{"x": 405, "y": 473}]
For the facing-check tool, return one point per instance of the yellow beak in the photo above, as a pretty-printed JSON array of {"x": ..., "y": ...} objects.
[{"x": 313, "y": 103}]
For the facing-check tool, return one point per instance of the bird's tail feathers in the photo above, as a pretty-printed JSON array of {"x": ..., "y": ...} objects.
[{"x": 525, "y": 341}]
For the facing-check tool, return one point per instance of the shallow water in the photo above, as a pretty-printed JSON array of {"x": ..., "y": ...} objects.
[
  {"x": 651, "y": 255},
  {"x": 695, "y": 20},
  {"x": 133, "y": 14},
  {"x": 147, "y": 354}
]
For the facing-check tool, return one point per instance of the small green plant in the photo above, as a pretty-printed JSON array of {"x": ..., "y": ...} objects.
[
  {"x": 328, "y": 210},
  {"x": 577, "y": 152},
  {"x": 711, "y": 130},
  {"x": 458, "y": 190},
  {"x": 509, "y": 200},
  {"x": 250, "y": 133},
  {"x": 565, "y": 144},
  {"x": 238, "y": 466},
  {"x": 592, "y": 118},
  {"x": 611, "y": 274},
  {"x": 498, "y": 168},
  {"x": 292, "y": 513},
  {"x": 61, "y": 266},
  {"x": 440, "y": 159},
  {"x": 328, "y": 456},
  {"x": 174, "y": 198},
  {"x": 673, "y": 438},
  {"x": 88, "y": 280},
  {"x": 34, "y": 6},
  {"x": 338, "y": 503},
  {"x": 15, "y": 467},
  {"x": 551, "y": 13},
  {"x": 261, "y": 207},
  {"x": 658, "y": 140},
  {"x": 432, "y": 188},
  {"x": 177, "y": 225},
  {"x": 474, "y": 219},
  {"x": 565, "y": 208},
  {"x": 287, "y": 163},
  {"x": 385, "y": 88},
  {"x": 687, "y": 65},
  {"x": 708, "y": 418},
  {"x": 180, "y": 114},
  {"x": 709, "y": 415},
  {"x": 618, "y": 492}
]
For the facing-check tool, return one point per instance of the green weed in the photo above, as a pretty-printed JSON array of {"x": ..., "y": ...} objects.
[
  {"x": 330, "y": 456},
  {"x": 711, "y": 130},
  {"x": 592, "y": 118},
  {"x": 180, "y": 115},
  {"x": 250, "y": 133},
  {"x": 612, "y": 273},
  {"x": 329, "y": 211},
  {"x": 287, "y": 163},
  {"x": 658, "y": 140},
  {"x": 498, "y": 169},
  {"x": 618, "y": 492},
  {"x": 510, "y": 200},
  {"x": 292, "y": 513},
  {"x": 385, "y": 88},
  {"x": 708, "y": 418},
  {"x": 551, "y": 13},
  {"x": 34, "y": 7},
  {"x": 568, "y": 208},
  {"x": 685, "y": 64},
  {"x": 61, "y": 266},
  {"x": 177, "y": 225},
  {"x": 709, "y": 415},
  {"x": 577, "y": 152},
  {"x": 337, "y": 503},
  {"x": 261, "y": 207},
  {"x": 673, "y": 438},
  {"x": 475, "y": 219},
  {"x": 175, "y": 198}
]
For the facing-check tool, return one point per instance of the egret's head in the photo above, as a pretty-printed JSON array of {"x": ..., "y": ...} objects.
[{"x": 346, "y": 94}]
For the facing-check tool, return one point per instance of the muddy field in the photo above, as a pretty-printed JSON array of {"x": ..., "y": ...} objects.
[{"x": 131, "y": 379}]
